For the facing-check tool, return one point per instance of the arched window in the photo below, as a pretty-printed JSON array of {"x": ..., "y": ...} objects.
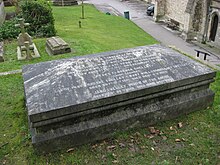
[{"x": 214, "y": 27}]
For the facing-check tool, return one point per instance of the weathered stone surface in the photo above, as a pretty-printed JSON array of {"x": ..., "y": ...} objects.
[
  {"x": 64, "y": 2},
  {"x": 56, "y": 45},
  {"x": 123, "y": 118},
  {"x": 1, "y": 51},
  {"x": 2, "y": 12},
  {"x": 110, "y": 91},
  {"x": 26, "y": 48}
]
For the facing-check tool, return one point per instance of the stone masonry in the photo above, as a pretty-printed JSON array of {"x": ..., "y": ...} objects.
[
  {"x": 2, "y": 12},
  {"x": 79, "y": 100}
]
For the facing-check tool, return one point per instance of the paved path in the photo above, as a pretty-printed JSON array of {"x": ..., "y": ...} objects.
[
  {"x": 167, "y": 37},
  {"x": 10, "y": 72}
]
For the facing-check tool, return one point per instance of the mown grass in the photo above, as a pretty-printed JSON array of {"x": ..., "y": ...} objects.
[
  {"x": 10, "y": 9},
  {"x": 99, "y": 33},
  {"x": 199, "y": 135}
]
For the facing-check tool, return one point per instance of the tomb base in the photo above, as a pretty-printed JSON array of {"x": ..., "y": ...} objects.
[
  {"x": 65, "y": 135},
  {"x": 65, "y": 2},
  {"x": 21, "y": 55},
  {"x": 56, "y": 45}
]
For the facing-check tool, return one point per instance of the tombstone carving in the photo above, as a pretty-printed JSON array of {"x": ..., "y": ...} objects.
[{"x": 26, "y": 48}]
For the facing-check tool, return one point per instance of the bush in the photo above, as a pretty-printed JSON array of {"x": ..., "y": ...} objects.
[
  {"x": 8, "y": 30},
  {"x": 39, "y": 15}
]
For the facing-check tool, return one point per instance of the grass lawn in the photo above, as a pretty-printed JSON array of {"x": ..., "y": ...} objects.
[
  {"x": 9, "y": 9},
  {"x": 199, "y": 136},
  {"x": 99, "y": 33}
]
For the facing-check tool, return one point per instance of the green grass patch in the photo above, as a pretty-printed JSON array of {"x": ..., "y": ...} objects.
[
  {"x": 99, "y": 33},
  {"x": 10, "y": 9}
]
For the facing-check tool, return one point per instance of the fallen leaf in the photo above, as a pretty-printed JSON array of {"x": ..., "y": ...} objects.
[
  {"x": 137, "y": 134},
  {"x": 114, "y": 155},
  {"x": 131, "y": 144},
  {"x": 161, "y": 133},
  {"x": 164, "y": 137},
  {"x": 121, "y": 145},
  {"x": 132, "y": 137},
  {"x": 155, "y": 143},
  {"x": 69, "y": 150},
  {"x": 111, "y": 147},
  {"x": 149, "y": 136},
  {"x": 94, "y": 146},
  {"x": 103, "y": 157},
  {"x": 192, "y": 144},
  {"x": 183, "y": 139},
  {"x": 177, "y": 140},
  {"x": 143, "y": 147},
  {"x": 152, "y": 130},
  {"x": 115, "y": 161},
  {"x": 4, "y": 162},
  {"x": 180, "y": 125}
]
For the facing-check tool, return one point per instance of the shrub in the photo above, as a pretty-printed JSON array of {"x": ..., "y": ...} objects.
[
  {"x": 39, "y": 14},
  {"x": 8, "y": 30}
]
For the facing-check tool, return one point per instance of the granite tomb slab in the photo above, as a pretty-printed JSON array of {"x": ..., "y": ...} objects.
[{"x": 83, "y": 99}]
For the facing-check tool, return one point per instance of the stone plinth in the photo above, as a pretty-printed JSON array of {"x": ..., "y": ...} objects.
[
  {"x": 56, "y": 45},
  {"x": 79, "y": 100},
  {"x": 65, "y": 2},
  {"x": 1, "y": 52}
]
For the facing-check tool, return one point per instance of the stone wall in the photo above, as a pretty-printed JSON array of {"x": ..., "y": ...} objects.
[
  {"x": 175, "y": 9},
  {"x": 2, "y": 12},
  {"x": 151, "y": 1}
]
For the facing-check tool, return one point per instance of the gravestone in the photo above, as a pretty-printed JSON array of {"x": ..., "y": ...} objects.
[
  {"x": 26, "y": 48},
  {"x": 56, "y": 45},
  {"x": 1, "y": 52},
  {"x": 2, "y": 12},
  {"x": 83, "y": 99},
  {"x": 64, "y": 2}
]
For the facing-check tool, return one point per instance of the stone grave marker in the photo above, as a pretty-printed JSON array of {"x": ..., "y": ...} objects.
[
  {"x": 83, "y": 99},
  {"x": 1, "y": 52},
  {"x": 2, "y": 12},
  {"x": 26, "y": 48},
  {"x": 56, "y": 45},
  {"x": 64, "y": 2}
]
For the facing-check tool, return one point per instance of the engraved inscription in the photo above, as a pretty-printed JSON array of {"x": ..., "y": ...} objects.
[
  {"x": 68, "y": 82},
  {"x": 121, "y": 73}
]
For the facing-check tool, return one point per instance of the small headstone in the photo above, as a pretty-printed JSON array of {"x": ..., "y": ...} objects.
[
  {"x": 64, "y": 2},
  {"x": 1, "y": 52},
  {"x": 56, "y": 45},
  {"x": 26, "y": 48},
  {"x": 2, "y": 12}
]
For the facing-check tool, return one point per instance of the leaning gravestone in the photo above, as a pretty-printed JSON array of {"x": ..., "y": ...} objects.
[
  {"x": 56, "y": 45},
  {"x": 2, "y": 12},
  {"x": 83, "y": 99},
  {"x": 26, "y": 48}
]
